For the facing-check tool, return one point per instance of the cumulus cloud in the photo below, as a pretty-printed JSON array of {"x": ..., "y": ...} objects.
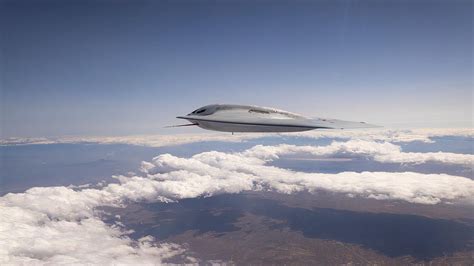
[
  {"x": 58, "y": 225},
  {"x": 32, "y": 237},
  {"x": 390, "y": 135},
  {"x": 382, "y": 152},
  {"x": 216, "y": 172}
]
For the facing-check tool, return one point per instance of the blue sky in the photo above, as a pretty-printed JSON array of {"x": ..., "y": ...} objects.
[{"x": 123, "y": 67}]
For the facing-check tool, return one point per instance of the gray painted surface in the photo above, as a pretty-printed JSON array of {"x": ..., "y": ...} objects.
[{"x": 245, "y": 118}]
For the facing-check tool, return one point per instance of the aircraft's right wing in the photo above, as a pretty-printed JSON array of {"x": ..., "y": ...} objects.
[{"x": 340, "y": 124}]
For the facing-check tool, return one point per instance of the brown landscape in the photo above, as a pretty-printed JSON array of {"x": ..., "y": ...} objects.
[{"x": 324, "y": 228}]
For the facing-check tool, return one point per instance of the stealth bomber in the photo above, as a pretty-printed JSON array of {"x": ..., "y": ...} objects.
[{"x": 247, "y": 118}]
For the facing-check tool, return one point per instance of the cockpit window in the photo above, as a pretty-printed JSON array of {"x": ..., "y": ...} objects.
[
  {"x": 195, "y": 111},
  {"x": 203, "y": 111}
]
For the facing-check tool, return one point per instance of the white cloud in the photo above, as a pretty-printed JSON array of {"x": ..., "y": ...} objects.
[
  {"x": 58, "y": 225},
  {"x": 382, "y": 152},
  {"x": 391, "y": 135},
  {"x": 216, "y": 172},
  {"x": 32, "y": 237}
]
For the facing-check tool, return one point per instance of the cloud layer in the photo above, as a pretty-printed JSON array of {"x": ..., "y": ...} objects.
[
  {"x": 61, "y": 225},
  {"x": 391, "y": 135},
  {"x": 140, "y": 140}
]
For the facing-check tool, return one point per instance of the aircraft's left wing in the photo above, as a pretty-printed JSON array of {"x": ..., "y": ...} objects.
[{"x": 185, "y": 125}]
